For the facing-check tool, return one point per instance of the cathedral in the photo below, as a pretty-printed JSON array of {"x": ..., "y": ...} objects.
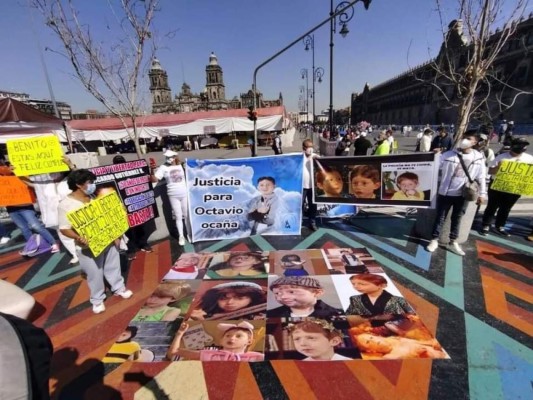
[{"x": 213, "y": 96}]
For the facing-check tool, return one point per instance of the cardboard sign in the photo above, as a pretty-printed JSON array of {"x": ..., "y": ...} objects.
[
  {"x": 514, "y": 177},
  {"x": 100, "y": 222},
  {"x": 132, "y": 181},
  {"x": 36, "y": 155},
  {"x": 14, "y": 192}
]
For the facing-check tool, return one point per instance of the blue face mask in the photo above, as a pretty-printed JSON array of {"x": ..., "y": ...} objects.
[{"x": 91, "y": 188}]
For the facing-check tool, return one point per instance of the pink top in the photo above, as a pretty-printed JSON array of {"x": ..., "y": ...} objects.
[{"x": 224, "y": 355}]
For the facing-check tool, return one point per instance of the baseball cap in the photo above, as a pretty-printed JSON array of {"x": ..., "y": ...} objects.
[{"x": 170, "y": 153}]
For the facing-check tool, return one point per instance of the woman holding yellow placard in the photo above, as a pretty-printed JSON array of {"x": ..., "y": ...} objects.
[{"x": 107, "y": 263}]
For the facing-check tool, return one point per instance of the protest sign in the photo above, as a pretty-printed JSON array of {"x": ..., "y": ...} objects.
[
  {"x": 36, "y": 155},
  {"x": 514, "y": 177},
  {"x": 100, "y": 222},
  {"x": 241, "y": 197},
  {"x": 14, "y": 192},
  {"x": 408, "y": 180},
  {"x": 132, "y": 181}
]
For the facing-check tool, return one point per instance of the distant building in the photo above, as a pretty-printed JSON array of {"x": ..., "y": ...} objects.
[
  {"x": 91, "y": 114},
  {"x": 409, "y": 99},
  {"x": 46, "y": 106},
  {"x": 212, "y": 97}
]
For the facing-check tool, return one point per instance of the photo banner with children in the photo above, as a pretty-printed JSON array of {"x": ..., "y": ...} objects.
[
  {"x": 132, "y": 182},
  {"x": 252, "y": 306},
  {"x": 36, "y": 155},
  {"x": 100, "y": 222},
  {"x": 14, "y": 192},
  {"x": 408, "y": 180},
  {"x": 514, "y": 177},
  {"x": 235, "y": 198}
]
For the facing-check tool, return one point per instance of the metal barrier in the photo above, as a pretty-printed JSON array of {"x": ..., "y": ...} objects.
[{"x": 326, "y": 147}]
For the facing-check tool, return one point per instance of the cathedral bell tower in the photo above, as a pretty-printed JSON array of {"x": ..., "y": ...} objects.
[
  {"x": 215, "y": 89},
  {"x": 161, "y": 95}
]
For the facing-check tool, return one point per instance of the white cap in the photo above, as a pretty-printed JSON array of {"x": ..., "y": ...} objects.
[
  {"x": 511, "y": 122},
  {"x": 364, "y": 133},
  {"x": 170, "y": 153}
]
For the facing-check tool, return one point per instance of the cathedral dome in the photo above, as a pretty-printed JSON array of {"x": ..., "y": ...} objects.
[{"x": 156, "y": 64}]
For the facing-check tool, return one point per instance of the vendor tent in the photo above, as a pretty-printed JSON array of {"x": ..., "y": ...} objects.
[
  {"x": 18, "y": 120},
  {"x": 182, "y": 124}
]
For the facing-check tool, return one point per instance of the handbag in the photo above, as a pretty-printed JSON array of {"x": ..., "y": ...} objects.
[{"x": 470, "y": 188}]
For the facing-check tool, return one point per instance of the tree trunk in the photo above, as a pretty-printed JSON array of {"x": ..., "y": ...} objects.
[
  {"x": 465, "y": 111},
  {"x": 136, "y": 138}
]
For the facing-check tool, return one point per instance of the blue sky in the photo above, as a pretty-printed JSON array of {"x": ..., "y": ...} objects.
[{"x": 384, "y": 41}]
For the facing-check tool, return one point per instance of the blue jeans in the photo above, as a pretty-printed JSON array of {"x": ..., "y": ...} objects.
[
  {"x": 444, "y": 203},
  {"x": 27, "y": 221},
  {"x": 3, "y": 232}
]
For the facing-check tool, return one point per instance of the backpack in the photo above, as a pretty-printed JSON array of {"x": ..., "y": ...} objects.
[{"x": 36, "y": 245}]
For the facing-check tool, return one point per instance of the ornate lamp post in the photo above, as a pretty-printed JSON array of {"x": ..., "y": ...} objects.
[
  {"x": 309, "y": 42},
  {"x": 305, "y": 75}
]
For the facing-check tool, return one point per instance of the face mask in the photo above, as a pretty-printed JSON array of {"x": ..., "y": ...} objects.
[
  {"x": 465, "y": 144},
  {"x": 91, "y": 188},
  {"x": 170, "y": 160},
  {"x": 309, "y": 151},
  {"x": 518, "y": 149}
]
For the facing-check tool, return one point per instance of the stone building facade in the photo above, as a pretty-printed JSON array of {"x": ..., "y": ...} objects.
[
  {"x": 408, "y": 99},
  {"x": 213, "y": 96}
]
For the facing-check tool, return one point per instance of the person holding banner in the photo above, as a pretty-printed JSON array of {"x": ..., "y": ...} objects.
[
  {"x": 457, "y": 167},
  {"x": 107, "y": 263},
  {"x": 500, "y": 203},
  {"x": 174, "y": 174}
]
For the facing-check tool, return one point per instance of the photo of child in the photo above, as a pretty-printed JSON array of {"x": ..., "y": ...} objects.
[
  {"x": 293, "y": 265},
  {"x": 407, "y": 182},
  {"x": 347, "y": 260},
  {"x": 299, "y": 296},
  {"x": 264, "y": 208},
  {"x": 329, "y": 181},
  {"x": 374, "y": 299},
  {"x": 158, "y": 305},
  {"x": 316, "y": 339},
  {"x": 408, "y": 338},
  {"x": 126, "y": 349},
  {"x": 188, "y": 266},
  {"x": 231, "y": 300},
  {"x": 365, "y": 181},
  {"x": 238, "y": 265},
  {"x": 235, "y": 341},
  {"x": 352, "y": 263}
]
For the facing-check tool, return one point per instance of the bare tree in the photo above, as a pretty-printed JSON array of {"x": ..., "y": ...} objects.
[
  {"x": 109, "y": 70},
  {"x": 463, "y": 73}
]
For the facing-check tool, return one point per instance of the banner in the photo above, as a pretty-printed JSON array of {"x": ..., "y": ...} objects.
[
  {"x": 408, "y": 180},
  {"x": 100, "y": 222},
  {"x": 132, "y": 181},
  {"x": 514, "y": 177},
  {"x": 236, "y": 198},
  {"x": 36, "y": 155},
  {"x": 14, "y": 192}
]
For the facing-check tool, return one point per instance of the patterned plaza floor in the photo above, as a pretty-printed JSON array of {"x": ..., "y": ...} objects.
[{"x": 479, "y": 307}]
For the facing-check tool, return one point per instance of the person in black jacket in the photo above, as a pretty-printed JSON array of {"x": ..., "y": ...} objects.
[
  {"x": 442, "y": 142},
  {"x": 361, "y": 145}
]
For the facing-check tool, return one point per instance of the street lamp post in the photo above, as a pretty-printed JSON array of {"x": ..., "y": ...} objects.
[
  {"x": 309, "y": 42},
  {"x": 305, "y": 75}
]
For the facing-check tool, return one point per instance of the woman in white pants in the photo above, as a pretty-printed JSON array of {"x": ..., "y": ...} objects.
[{"x": 174, "y": 174}]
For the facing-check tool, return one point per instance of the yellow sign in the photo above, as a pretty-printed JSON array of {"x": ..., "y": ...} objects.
[
  {"x": 514, "y": 177},
  {"x": 101, "y": 221},
  {"x": 36, "y": 155}
]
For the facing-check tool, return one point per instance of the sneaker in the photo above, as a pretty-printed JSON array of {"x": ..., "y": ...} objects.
[
  {"x": 454, "y": 246},
  {"x": 484, "y": 231},
  {"x": 312, "y": 226},
  {"x": 181, "y": 240},
  {"x": 54, "y": 248},
  {"x": 74, "y": 260},
  {"x": 98, "y": 308},
  {"x": 125, "y": 294},
  {"x": 4, "y": 240},
  {"x": 432, "y": 246},
  {"x": 501, "y": 230},
  {"x": 530, "y": 238},
  {"x": 147, "y": 249}
]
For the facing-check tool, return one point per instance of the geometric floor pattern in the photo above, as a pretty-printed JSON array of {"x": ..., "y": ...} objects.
[{"x": 479, "y": 307}]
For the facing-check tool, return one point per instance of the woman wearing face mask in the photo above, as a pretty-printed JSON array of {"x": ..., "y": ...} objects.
[
  {"x": 501, "y": 203},
  {"x": 450, "y": 193},
  {"x": 174, "y": 174},
  {"x": 107, "y": 263}
]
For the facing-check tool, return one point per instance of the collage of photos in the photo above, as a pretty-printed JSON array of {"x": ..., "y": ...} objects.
[
  {"x": 332, "y": 304},
  {"x": 351, "y": 180}
]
